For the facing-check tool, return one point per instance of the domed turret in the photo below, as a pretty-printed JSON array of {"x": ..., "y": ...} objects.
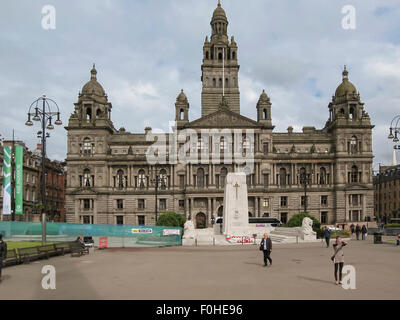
[
  {"x": 263, "y": 97},
  {"x": 182, "y": 97},
  {"x": 219, "y": 13},
  {"x": 93, "y": 87},
  {"x": 346, "y": 87}
]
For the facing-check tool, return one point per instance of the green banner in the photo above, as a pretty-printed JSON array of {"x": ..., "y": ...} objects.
[
  {"x": 19, "y": 164},
  {"x": 7, "y": 180}
]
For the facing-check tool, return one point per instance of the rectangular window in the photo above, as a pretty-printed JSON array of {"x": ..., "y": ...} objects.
[
  {"x": 87, "y": 219},
  {"x": 283, "y": 201},
  {"x": 141, "y": 220},
  {"x": 182, "y": 204},
  {"x": 163, "y": 204},
  {"x": 141, "y": 204},
  {"x": 182, "y": 182},
  {"x": 266, "y": 214},
  {"x": 266, "y": 180},
  {"x": 324, "y": 217},
  {"x": 266, "y": 203},
  {"x": 324, "y": 201},
  {"x": 120, "y": 219},
  {"x": 86, "y": 204},
  {"x": 284, "y": 217},
  {"x": 120, "y": 204},
  {"x": 265, "y": 148},
  {"x": 304, "y": 200}
]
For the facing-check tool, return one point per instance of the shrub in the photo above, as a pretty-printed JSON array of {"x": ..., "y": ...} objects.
[
  {"x": 171, "y": 219},
  {"x": 393, "y": 225},
  {"x": 341, "y": 233}
]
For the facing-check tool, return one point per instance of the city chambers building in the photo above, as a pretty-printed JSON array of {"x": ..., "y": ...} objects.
[{"x": 326, "y": 171}]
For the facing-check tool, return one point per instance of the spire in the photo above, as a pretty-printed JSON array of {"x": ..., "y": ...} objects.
[
  {"x": 345, "y": 74},
  {"x": 93, "y": 72}
]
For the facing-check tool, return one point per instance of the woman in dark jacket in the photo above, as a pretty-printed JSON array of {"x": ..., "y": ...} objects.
[
  {"x": 338, "y": 258},
  {"x": 363, "y": 232},
  {"x": 266, "y": 248}
]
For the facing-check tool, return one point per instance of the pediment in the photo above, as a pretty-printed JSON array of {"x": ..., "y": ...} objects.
[
  {"x": 84, "y": 191},
  {"x": 223, "y": 119}
]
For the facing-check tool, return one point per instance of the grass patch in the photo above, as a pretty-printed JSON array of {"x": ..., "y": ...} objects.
[{"x": 24, "y": 244}]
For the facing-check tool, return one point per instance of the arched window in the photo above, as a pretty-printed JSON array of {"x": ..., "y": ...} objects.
[
  {"x": 181, "y": 114},
  {"x": 222, "y": 144},
  {"x": 200, "y": 178},
  {"x": 120, "y": 179},
  {"x": 87, "y": 178},
  {"x": 282, "y": 177},
  {"x": 303, "y": 175},
  {"x": 223, "y": 174},
  {"x": 342, "y": 111},
  {"x": 220, "y": 56},
  {"x": 220, "y": 82},
  {"x": 88, "y": 114},
  {"x": 163, "y": 179},
  {"x": 354, "y": 174},
  {"x": 142, "y": 179},
  {"x": 352, "y": 113},
  {"x": 265, "y": 113},
  {"x": 207, "y": 55},
  {"x": 353, "y": 145},
  {"x": 98, "y": 113},
  {"x": 214, "y": 83},
  {"x": 246, "y": 144},
  {"x": 322, "y": 176},
  {"x": 226, "y": 83},
  {"x": 87, "y": 146},
  {"x": 233, "y": 55}
]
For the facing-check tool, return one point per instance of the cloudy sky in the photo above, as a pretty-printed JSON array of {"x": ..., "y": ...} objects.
[{"x": 146, "y": 51}]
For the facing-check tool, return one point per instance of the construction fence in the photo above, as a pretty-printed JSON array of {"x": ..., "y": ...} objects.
[{"x": 118, "y": 235}]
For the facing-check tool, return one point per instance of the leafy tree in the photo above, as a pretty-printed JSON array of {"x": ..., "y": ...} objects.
[{"x": 171, "y": 219}]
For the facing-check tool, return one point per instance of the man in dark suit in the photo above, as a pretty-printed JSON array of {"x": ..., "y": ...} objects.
[{"x": 266, "y": 248}]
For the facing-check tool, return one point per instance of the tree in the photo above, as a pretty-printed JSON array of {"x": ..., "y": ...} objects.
[{"x": 171, "y": 219}]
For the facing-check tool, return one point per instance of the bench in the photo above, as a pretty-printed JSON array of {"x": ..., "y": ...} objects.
[
  {"x": 12, "y": 257},
  {"x": 63, "y": 247},
  {"x": 30, "y": 253},
  {"x": 78, "y": 249},
  {"x": 50, "y": 250}
]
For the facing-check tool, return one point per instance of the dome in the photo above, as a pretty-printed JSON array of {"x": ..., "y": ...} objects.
[
  {"x": 93, "y": 87},
  {"x": 346, "y": 87},
  {"x": 182, "y": 97},
  {"x": 264, "y": 96},
  {"x": 219, "y": 13}
]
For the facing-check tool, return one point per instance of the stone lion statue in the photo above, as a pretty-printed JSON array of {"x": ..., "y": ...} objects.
[
  {"x": 306, "y": 228},
  {"x": 188, "y": 228}
]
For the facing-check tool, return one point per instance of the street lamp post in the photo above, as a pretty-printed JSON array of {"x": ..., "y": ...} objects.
[
  {"x": 45, "y": 115},
  {"x": 304, "y": 179},
  {"x": 156, "y": 181}
]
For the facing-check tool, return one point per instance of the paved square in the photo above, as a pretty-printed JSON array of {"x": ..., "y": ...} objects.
[{"x": 232, "y": 272}]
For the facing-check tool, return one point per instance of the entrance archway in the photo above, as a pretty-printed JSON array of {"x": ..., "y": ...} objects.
[{"x": 201, "y": 221}]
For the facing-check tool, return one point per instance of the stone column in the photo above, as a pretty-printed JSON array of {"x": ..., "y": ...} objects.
[{"x": 256, "y": 212}]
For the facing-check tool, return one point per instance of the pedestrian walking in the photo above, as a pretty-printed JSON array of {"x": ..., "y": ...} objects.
[
  {"x": 358, "y": 230},
  {"x": 3, "y": 253},
  {"x": 352, "y": 229},
  {"x": 364, "y": 232},
  {"x": 266, "y": 248},
  {"x": 327, "y": 236},
  {"x": 398, "y": 239},
  {"x": 338, "y": 258}
]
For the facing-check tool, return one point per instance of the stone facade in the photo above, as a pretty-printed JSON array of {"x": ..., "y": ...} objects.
[
  {"x": 32, "y": 174},
  {"x": 387, "y": 193},
  {"x": 110, "y": 179}
]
